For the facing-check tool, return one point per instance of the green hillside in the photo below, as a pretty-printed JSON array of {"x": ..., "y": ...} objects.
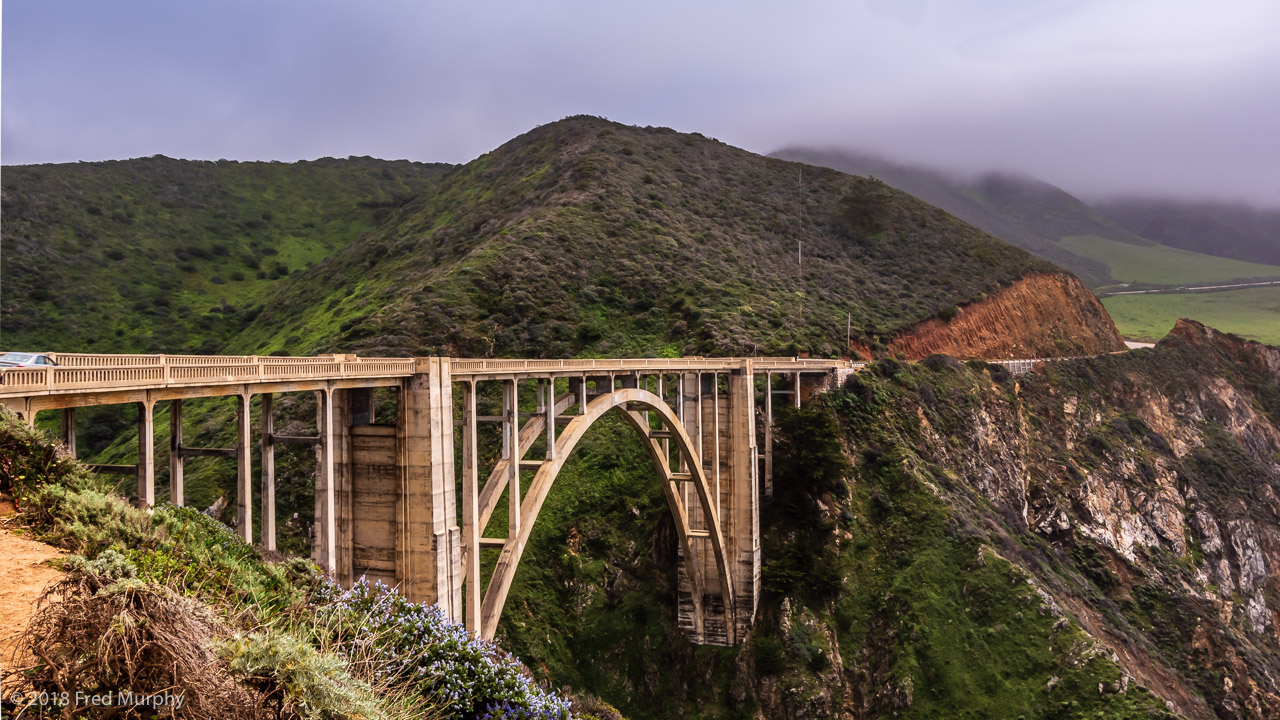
[
  {"x": 1214, "y": 228},
  {"x": 157, "y": 254},
  {"x": 586, "y": 236},
  {"x": 1154, "y": 264}
]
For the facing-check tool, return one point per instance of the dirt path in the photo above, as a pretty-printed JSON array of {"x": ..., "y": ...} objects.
[{"x": 23, "y": 578}]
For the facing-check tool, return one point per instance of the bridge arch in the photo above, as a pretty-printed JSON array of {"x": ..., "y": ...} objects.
[{"x": 631, "y": 403}]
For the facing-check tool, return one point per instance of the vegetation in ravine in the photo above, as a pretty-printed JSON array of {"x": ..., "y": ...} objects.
[
  {"x": 899, "y": 580},
  {"x": 171, "y": 600},
  {"x": 164, "y": 255}
]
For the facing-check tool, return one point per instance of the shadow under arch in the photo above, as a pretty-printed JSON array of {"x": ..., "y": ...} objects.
[{"x": 630, "y": 402}]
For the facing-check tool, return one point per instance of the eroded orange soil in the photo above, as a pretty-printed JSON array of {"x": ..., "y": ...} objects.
[{"x": 24, "y": 575}]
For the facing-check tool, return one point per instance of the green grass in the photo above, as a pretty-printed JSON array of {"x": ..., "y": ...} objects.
[
  {"x": 1253, "y": 313},
  {"x": 1159, "y": 265}
]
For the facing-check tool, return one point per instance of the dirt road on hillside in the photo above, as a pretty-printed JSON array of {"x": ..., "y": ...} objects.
[{"x": 23, "y": 579}]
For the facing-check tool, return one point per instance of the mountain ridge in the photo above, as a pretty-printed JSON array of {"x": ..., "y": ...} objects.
[{"x": 585, "y": 233}]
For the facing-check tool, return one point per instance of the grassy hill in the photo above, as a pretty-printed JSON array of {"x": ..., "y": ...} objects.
[
  {"x": 1153, "y": 264},
  {"x": 1214, "y": 228},
  {"x": 1250, "y": 312},
  {"x": 586, "y": 236},
  {"x": 157, "y": 254}
]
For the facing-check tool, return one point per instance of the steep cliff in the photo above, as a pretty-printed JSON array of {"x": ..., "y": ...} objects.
[{"x": 1041, "y": 315}]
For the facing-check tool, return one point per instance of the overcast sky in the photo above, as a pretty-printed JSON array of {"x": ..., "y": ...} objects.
[{"x": 1112, "y": 96}]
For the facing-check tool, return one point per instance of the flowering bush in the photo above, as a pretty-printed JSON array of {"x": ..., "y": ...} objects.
[{"x": 417, "y": 644}]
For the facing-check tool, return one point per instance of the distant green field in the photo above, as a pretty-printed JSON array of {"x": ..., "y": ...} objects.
[
  {"x": 1162, "y": 265},
  {"x": 1253, "y": 313}
]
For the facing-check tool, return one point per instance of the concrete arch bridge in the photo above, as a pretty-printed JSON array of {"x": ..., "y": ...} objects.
[{"x": 386, "y": 495}]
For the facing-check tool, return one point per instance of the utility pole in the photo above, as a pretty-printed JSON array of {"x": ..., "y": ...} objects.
[
  {"x": 800, "y": 214},
  {"x": 848, "y": 331}
]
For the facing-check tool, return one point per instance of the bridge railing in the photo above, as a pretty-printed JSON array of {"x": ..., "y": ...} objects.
[
  {"x": 811, "y": 364},
  {"x": 88, "y": 372},
  {"x": 491, "y": 366},
  {"x": 87, "y": 360},
  {"x": 464, "y": 366}
]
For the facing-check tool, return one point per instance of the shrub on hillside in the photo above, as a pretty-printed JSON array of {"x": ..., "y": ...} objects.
[
  {"x": 28, "y": 459},
  {"x": 291, "y": 675},
  {"x": 128, "y": 636},
  {"x": 472, "y": 678}
]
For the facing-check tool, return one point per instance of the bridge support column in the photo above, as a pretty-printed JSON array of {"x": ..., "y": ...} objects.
[
  {"x": 344, "y": 481},
  {"x": 470, "y": 509},
  {"x": 740, "y": 499},
  {"x": 429, "y": 542},
  {"x": 768, "y": 434},
  {"x": 176, "y": 490},
  {"x": 69, "y": 430},
  {"x": 244, "y": 473},
  {"x": 723, "y": 425},
  {"x": 267, "y": 445},
  {"x": 324, "y": 549},
  {"x": 511, "y": 452},
  {"x": 146, "y": 453}
]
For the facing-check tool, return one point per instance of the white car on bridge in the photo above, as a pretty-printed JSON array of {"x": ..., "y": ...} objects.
[{"x": 25, "y": 359}]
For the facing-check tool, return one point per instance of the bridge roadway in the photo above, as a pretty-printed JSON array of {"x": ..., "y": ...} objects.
[{"x": 385, "y": 494}]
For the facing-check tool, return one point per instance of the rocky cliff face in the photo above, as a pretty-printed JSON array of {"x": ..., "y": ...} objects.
[
  {"x": 1041, "y": 315},
  {"x": 1138, "y": 492}
]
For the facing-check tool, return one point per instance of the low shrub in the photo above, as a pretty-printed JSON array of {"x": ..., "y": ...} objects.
[
  {"x": 292, "y": 676},
  {"x": 130, "y": 637},
  {"x": 470, "y": 677},
  {"x": 29, "y": 460}
]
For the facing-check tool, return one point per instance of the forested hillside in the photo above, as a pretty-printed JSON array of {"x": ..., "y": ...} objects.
[{"x": 164, "y": 255}]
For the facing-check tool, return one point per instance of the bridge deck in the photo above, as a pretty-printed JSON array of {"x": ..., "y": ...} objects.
[{"x": 82, "y": 373}]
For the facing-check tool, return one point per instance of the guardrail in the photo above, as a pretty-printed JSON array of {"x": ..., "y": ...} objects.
[
  {"x": 87, "y": 360},
  {"x": 84, "y": 372},
  {"x": 463, "y": 366},
  {"x": 92, "y": 372}
]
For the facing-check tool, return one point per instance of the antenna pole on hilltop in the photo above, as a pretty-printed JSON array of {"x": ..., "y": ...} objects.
[{"x": 800, "y": 243}]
